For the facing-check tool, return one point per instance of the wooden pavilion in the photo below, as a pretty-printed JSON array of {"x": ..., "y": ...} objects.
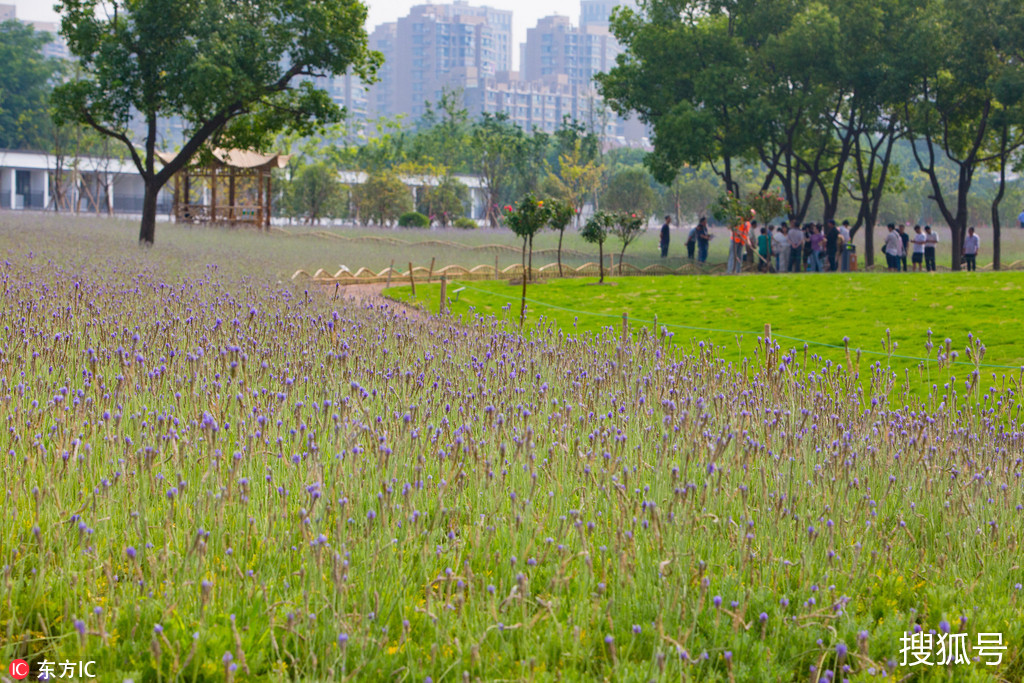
[{"x": 233, "y": 189}]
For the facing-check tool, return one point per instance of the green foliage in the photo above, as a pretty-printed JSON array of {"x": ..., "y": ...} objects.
[
  {"x": 25, "y": 88},
  {"x": 313, "y": 193},
  {"x": 465, "y": 223},
  {"x": 627, "y": 226},
  {"x": 528, "y": 217},
  {"x": 560, "y": 214},
  {"x": 413, "y": 219},
  {"x": 498, "y": 147},
  {"x": 382, "y": 198},
  {"x": 768, "y": 205},
  {"x": 445, "y": 201},
  {"x": 595, "y": 231},
  {"x": 443, "y": 132},
  {"x": 228, "y": 70},
  {"x": 728, "y": 209},
  {"x": 630, "y": 190}
]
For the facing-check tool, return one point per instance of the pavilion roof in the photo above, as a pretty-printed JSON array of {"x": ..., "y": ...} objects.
[{"x": 239, "y": 158}]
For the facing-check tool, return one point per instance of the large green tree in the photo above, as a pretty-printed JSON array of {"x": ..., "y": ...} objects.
[
  {"x": 497, "y": 146},
  {"x": 235, "y": 72},
  {"x": 25, "y": 87},
  {"x": 967, "y": 74}
]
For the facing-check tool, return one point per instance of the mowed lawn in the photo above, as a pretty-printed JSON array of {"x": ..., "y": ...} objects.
[{"x": 819, "y": 309}]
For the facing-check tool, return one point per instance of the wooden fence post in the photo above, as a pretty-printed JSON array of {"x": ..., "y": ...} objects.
[
  {"x": 444, "y": 292},
  {"x": 430, "y": 275},
  {"x": 412, "y": 281}
]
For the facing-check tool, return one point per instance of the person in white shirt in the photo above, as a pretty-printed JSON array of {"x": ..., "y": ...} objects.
[
  {"x": 795, "y": 236},
  {"x": 972, "y": 243},
  {"x": 918, "y": 240},
  {"x": 844, "y": 251},
  {"x": 780, "y": 247},
  {"x": 893, "y": 249},
  {"x": 931, "y": 240}
]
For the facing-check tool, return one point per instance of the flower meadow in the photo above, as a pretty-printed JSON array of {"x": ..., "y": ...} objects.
[{"x": 209, "y": 475}]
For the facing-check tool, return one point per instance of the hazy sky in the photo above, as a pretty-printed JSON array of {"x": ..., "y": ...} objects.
[{"x": 526, "y": 12}]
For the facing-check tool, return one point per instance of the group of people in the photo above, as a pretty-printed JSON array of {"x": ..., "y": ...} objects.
[
  {"x": 818, "y": 248},
  {"x": 791, "y": 248},
  {"x": 898, "y": 244}
]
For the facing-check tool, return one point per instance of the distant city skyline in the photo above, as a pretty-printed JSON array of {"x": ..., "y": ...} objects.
[{"x": 526, "y": 13}]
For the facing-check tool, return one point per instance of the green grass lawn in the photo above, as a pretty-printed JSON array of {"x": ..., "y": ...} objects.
[{"x": 821, "y": 310}]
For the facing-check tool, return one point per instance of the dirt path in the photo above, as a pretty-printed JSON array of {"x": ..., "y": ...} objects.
[{"x": 363, "y": 294}]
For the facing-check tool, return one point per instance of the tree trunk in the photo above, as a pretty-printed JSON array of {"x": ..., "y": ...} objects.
[
  {"x": 147, "y": 230},
  {"x": 622, "y": 255},
  {"x": 600, "y": 260},
  {"x": 522, "y": 305},
  {"x": 530, "y": 267},
  {"x": 561, "y": 234},
  {"x": 996, "y": 201}
]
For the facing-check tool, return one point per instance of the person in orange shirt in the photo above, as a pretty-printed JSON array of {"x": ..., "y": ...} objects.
[{"x": 739, "y": 242}]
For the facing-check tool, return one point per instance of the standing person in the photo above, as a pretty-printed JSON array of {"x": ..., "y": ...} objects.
[
  {"x": 845, "y": 246},
  {"x": 796, "y": 246},
  {"x": 808, "y": 231},
  {"x": 832, "y": 245},
  {"x": 906, "y": 243},
  {"x": 703, "y": 238},
  {"x": 1020, "y": 220},
  {"x": 764, "y": 251},
  {"x": 738, "y": 243},
  {"x": 893, "y": 247},
  {"x": 972, "y": 243},
  {"x": 691, "y": 242},
  {"x": 919, "y": 241},
  {"x": 817, "y": 240},
  {"x": 665, "y": 236},
  {"x": 780, "y": 248},
  {"x": 931, "y": 240}
]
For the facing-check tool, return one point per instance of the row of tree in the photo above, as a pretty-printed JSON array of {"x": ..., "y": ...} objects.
[{"x": 818, "y": 95}]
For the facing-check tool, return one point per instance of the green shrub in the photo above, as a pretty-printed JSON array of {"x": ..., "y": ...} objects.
[
  {"x": 465, "y": 223},
  {"x": 413, "y": 219}
]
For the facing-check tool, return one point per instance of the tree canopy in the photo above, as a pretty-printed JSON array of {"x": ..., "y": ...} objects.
[
  {"x": 25, "y": 87},
  {"x": 818, "y": 95},
  {"x": 235, "y": 72}
]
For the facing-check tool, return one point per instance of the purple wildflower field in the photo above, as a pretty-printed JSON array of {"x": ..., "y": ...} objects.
[{"x": 212, "y": 475}]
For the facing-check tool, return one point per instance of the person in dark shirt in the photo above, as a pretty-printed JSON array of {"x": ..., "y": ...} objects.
[
  {"x": 832, "y": 245},
  {"x": 906, "y": 243},
  {"x": 703, "y": 238},
  {"x": 665, "y": 235}
]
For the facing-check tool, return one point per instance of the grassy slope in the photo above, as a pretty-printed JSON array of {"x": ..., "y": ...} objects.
[{"x": 815, "y": 308}]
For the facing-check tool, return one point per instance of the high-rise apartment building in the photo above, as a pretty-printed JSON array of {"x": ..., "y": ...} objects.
[
  {"x": 555, "y": 46},
  {"x": 598, "y": 12},
  {"x": 382, "y": 93},
  {"x": 469, "y": 49},
  {"x": 445, "y": 46}
]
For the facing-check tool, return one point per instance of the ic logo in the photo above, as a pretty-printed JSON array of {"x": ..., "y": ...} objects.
[{"x": 18, "y": 669}]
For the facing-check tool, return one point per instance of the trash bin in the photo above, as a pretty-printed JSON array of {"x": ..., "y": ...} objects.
[{"x": 851, "y": 256}]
